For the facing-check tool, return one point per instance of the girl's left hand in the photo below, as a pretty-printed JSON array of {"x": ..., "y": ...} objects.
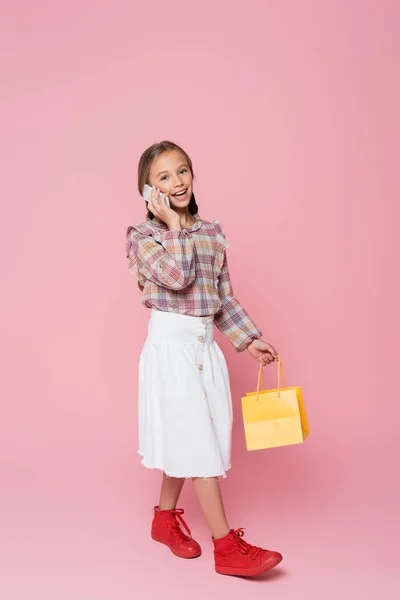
[{"x": 263, "y": 352}]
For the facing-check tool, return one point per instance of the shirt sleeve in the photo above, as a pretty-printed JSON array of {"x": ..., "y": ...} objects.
[
  {"x": 169, "y": 264},
  {"x": 232, "y": 320}
]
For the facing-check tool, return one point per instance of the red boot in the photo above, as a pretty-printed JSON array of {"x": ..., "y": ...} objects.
[
  {"x": 166, "y": 529},
  {"x": 234, "y": 556}
]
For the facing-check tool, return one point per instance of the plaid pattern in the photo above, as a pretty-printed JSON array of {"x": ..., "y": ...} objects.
[{"x": 186, "y": 272}]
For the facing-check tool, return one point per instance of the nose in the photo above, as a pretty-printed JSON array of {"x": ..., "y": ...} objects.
[{"x": 177, "y": 183}]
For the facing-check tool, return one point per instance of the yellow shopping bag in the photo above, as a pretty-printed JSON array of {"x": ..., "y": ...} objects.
[{"x": 274, "y": 417}]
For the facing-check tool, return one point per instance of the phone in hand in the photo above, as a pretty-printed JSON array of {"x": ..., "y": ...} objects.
[{"x": 147, "y": 195}]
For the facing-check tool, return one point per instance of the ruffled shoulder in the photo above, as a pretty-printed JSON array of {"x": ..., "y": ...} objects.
[
  {"x": 220, "y": 234},
  {"x": 218, "y": 225},
  {"x": 144, "y": 228},
  {"x": 140, "y": 230}
]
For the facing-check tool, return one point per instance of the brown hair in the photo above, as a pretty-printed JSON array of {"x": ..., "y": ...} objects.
[{"x": 147, "y": 159}]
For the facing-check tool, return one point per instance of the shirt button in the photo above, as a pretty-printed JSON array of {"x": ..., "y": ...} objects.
[
  {"x": 204, "y": 321},
  {"x": 201, "y": 368},
  {"x": 201, "y": 339}
]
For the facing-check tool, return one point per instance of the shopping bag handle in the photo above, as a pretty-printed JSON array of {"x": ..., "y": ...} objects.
[{"x": 280, "y": 378}]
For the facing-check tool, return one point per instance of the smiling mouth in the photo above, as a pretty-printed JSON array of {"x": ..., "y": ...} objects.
[{"x": 180, "y": 194}]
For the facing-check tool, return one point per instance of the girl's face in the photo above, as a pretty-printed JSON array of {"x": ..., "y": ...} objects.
[{"x": 171, "y": 174}]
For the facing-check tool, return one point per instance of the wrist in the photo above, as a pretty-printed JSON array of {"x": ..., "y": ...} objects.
[{"x": 175, "y": 226}]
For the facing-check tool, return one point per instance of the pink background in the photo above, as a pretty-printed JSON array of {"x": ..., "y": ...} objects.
[{"x": 290, "y": 111}]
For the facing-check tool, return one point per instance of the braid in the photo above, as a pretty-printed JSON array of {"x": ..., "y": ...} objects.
[{"x": 193, "y": 208}]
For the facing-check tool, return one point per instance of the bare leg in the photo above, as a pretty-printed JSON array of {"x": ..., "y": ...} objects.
[
  {"x": 209, "y": 495},
  {"x": 170, "y": 491}
]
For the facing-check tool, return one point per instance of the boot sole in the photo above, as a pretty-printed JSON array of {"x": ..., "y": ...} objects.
[
  {"x": 176, "y": 552},
  {"x": 238, "y": 572}
]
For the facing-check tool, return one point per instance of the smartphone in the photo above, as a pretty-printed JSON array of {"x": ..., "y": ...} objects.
[{"x": 147, "y": 195}]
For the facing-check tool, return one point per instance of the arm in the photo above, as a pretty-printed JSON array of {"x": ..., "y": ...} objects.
[
  {"x": 169, "y": 264},
  {"x": 232, "y": 320}
]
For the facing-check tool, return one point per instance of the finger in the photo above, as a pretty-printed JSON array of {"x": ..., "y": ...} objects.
[
  {"x": 153, "y": 207},
  {"x": 154, "y": 193},
  {"x": 265, "y": 354},
  {"x": 271, "y": 350}
]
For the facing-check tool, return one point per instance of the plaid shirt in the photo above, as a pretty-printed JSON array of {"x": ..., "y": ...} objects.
[{"x": 186, "y": 272}]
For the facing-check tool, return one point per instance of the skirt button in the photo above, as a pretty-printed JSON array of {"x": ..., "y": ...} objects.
[{"x": 201, "y": 368}]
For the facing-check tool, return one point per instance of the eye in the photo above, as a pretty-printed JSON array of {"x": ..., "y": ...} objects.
[
  {"x": 183, "y": 170},
  {"x": 164, "y": 177}
]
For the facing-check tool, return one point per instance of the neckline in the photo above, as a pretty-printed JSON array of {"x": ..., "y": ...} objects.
[{"x": 194, "y": 227}]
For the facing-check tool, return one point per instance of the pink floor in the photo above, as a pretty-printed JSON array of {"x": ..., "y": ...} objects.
[{"x": 86, "y": 537}]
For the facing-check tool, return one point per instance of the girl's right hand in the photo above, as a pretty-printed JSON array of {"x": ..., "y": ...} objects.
[{"x": 162, "y": 211}]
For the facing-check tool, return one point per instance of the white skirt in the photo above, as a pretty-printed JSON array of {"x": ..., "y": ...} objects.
[{"x": 185, "y": 405}]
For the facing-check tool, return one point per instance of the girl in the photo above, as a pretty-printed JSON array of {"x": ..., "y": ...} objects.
[{"x": 185, "y": 408}]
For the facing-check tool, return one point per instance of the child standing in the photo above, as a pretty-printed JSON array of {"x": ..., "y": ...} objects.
[{"x": 185, "y": 407}]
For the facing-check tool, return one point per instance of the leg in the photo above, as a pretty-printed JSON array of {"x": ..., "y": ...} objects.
[
  {"x": 170, "y": 491},
  {"x": 209, "y": 495},
  {"x": 233, "y": 556},
  {"x": 167, "y": 521}
]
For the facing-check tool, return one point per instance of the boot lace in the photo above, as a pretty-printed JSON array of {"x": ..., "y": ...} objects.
[
  {"x": 174, "y": 521},
  {"x": 245, "y": 548}
]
